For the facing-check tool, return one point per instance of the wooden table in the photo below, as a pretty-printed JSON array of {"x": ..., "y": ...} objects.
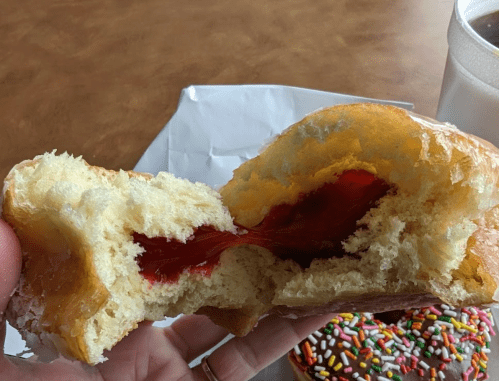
[{"x": 100, "y": 78}]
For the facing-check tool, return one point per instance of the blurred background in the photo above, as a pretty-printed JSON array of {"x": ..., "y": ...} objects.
[{"x": 102, "y": 78}]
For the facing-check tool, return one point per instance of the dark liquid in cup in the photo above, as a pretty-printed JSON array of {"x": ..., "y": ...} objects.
[{"x": 488, "y": 27}]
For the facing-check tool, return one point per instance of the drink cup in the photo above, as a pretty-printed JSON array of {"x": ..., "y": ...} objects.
[{"x": 469, "y": 97}]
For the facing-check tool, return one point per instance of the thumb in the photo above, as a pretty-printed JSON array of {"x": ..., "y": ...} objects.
[{"x": 10, "y": 268}]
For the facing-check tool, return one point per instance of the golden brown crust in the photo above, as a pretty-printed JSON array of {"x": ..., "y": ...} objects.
[
  {"x": 480, "y": 268},
  {"x": 68, "y": 291},
  {"x": 300, "y": 158}
]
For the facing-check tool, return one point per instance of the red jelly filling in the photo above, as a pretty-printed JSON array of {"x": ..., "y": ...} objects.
[
  {"x": 313, "y": 227},
  {"x": 164, "y": 261}
]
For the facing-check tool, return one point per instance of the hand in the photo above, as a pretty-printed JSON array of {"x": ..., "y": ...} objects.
[{"x": 152, "y": 353}]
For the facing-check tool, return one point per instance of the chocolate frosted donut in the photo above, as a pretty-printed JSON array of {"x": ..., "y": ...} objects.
[{"x": 432, "y": 343}]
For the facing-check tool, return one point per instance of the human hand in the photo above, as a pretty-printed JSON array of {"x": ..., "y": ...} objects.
[{"x": 152, "y": 353}]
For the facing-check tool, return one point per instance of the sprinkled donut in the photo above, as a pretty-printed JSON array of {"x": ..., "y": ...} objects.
[{"x": 432, "y": 343}]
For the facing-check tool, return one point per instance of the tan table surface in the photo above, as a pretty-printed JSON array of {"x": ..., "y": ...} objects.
[{"x": 100, "y": 78}]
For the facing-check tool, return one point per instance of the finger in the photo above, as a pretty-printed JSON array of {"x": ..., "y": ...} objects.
[
  {"x": 10, "y": 268},
  {"x": 10, "y": 263},
  {"x": 241, "y": 358},
  {"x": 135, "y": 353},
  {"x": 193, "y": 335}
]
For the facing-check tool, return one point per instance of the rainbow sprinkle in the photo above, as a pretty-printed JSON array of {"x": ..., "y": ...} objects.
[{"x": 425, "y": 344}]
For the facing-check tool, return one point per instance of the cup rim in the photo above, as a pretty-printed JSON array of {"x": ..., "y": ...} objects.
[{"x": 467, "y": 27}]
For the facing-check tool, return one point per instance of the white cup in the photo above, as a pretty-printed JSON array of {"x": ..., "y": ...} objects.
[{"x": 469, "y": 97}]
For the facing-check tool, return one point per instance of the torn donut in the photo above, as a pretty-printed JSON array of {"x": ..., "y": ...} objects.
[{"x": 355, "y": 208}]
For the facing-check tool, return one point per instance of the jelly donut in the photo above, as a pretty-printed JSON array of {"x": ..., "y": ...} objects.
[
  {"x": 431, "y": 343},
  {"x": 355, "y": 208}
]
